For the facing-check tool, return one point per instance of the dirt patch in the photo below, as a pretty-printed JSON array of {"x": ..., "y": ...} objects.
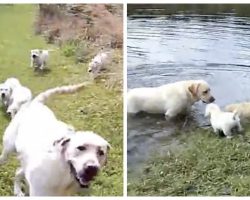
[{"x": 82, "y": 30}]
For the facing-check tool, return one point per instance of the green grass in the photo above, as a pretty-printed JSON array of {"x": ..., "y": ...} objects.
[
  {"x": 206, "y": 165},
  {"x": 102, "y": 107}
]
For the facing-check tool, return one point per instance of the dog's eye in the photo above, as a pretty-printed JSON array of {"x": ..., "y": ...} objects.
[
  {"x": 100, "y": 152},
  {"x": 205, "y": 92},
  {"x": 81, "y": 148}
]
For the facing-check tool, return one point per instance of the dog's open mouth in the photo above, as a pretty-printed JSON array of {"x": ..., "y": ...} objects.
[{"x": 85, "y": 178}]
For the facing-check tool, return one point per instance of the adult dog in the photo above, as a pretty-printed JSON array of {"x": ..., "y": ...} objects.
[
  {"x": 18, "y": 95},
  {"x": 170, "y": 99},
  {"x": 55, "y": 159}
]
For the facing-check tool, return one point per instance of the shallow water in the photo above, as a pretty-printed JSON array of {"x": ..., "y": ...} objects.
[{"x": 166, "y": 49}]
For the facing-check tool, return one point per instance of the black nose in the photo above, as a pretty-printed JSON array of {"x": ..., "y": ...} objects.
[
  {"x": 33, "y": 56},
  {"x": 9, "y": 113},
  {"x": 90, "y": 172},
  {"x": 90, "y": 70},
  {"x": 212, "y": 99},
  {"x": 3, "y": 95}
]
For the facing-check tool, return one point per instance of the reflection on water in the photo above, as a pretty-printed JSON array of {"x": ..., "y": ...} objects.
[{"x": 177, "y": 47}]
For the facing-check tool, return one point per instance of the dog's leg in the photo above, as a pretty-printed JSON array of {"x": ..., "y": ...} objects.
[
  {"x": 31, "y": 62},
  {"x": 9, "y": 138},
  {"x": 171, "y": 114},
  {"x": 7, "y": 149},
  {"x": 17, "y": 182},
  {"x": 228, "y": 133},
  {"x": 240, "y": 129}
]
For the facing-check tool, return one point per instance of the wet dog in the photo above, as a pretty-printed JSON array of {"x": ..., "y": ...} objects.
[
  {"x": 170, "y": 99},
  {"x": 243, "y": 110},
  {"x": 223, "y": 121},
  {"x": 55, "y": 159}
]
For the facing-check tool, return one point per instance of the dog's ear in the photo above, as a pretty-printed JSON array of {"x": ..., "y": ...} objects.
[
  {"x": 61, "y": 144},
  {"x": 193, "y": 89},
  {"x": 62, "y": 141}
]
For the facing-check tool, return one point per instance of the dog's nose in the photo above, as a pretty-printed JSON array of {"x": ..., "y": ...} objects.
[
  {"x": 33, "y": 56},
  {"x": 91, "y": 171},
  {"x": 9, "y": 113},
  {"x": 212, "y": 99},
  {"x": 3, "y": 95},
  {"x": 90, "y": 70}
]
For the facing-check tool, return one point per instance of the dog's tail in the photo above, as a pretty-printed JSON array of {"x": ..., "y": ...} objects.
[{"x": 42, "y": 97}]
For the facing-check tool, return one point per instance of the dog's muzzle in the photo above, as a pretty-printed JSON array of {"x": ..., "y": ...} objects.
[
  {"x": 211, "y": 99},
  {"x": 3, "y": 95},
  {"x": 34, "y": 56},
  {"x": 84, "y": 177}
]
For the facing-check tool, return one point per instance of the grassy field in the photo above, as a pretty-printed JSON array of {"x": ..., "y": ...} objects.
[
  {"x": 95, "y": 108},
  {"x": 205, "y": 164}
]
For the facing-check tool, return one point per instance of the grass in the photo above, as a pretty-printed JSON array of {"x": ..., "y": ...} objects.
[
  {"x": 97, "y": 108},
  {"x": 206, "y": 165}
]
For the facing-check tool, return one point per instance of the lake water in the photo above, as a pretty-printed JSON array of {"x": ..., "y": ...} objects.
[{"x": 177, "y": 47}]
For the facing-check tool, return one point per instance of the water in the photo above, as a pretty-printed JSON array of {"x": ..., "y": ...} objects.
[{"x": 177, "y": 47}]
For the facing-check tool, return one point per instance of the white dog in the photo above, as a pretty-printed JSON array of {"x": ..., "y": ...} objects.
[
  {"x": 18, "y": 95},
  {"x": 98, "y": 63},
  {"x": 222, "y": 121},
  {"x": 39, "y": 58},
  {"x": 5, "y": 92},
  {"x": 170, "y": 99},
  {"x": 55, "y": 159}
]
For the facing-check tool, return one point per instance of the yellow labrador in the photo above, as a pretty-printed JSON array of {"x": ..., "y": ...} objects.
[
  {"x": 170, "y": 99},
  {"x": 242, "y": 109}
]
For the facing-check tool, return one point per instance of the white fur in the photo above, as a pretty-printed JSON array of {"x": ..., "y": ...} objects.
[
  {"x": 5, "y": 94},
  {"x": 170, "y": 99},
  {"x": 222, "y": 121},
  {"x": 39, "y": 58},
  {"x": 98, "y": 63},
  {"x": 19, "y": 95},
  {"x": 45, "y": 146}
]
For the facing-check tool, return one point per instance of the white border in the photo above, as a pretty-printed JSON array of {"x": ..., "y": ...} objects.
[{"x": 124, "y": 99}]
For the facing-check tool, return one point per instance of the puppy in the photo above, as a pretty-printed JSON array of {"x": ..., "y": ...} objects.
[
  {"x": 55, "y": 159},
  {"x": 171, "y": 99},
  {"x": 222, "y": 121},
  {"x": 18, "y": 95},
  {"x": 243, "y": 109},
  {"x": 98, "y": 63},
  {"x": 39, "y": 58}
]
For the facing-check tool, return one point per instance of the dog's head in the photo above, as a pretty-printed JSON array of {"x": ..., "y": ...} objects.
[
  {"x": 200, "y": 90},
  {"x": 86, "y": 153},
  {"x": 210, "y": 108},
  {"x": 34, "y": 53},
  {"x": 5, "y": 91},
  {"x": 93, "y": 66}
]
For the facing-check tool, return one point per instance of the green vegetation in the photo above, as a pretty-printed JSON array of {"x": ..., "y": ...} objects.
[
  {"x": 205, "y": 164},
  {"x": 96, "y": 108}
]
